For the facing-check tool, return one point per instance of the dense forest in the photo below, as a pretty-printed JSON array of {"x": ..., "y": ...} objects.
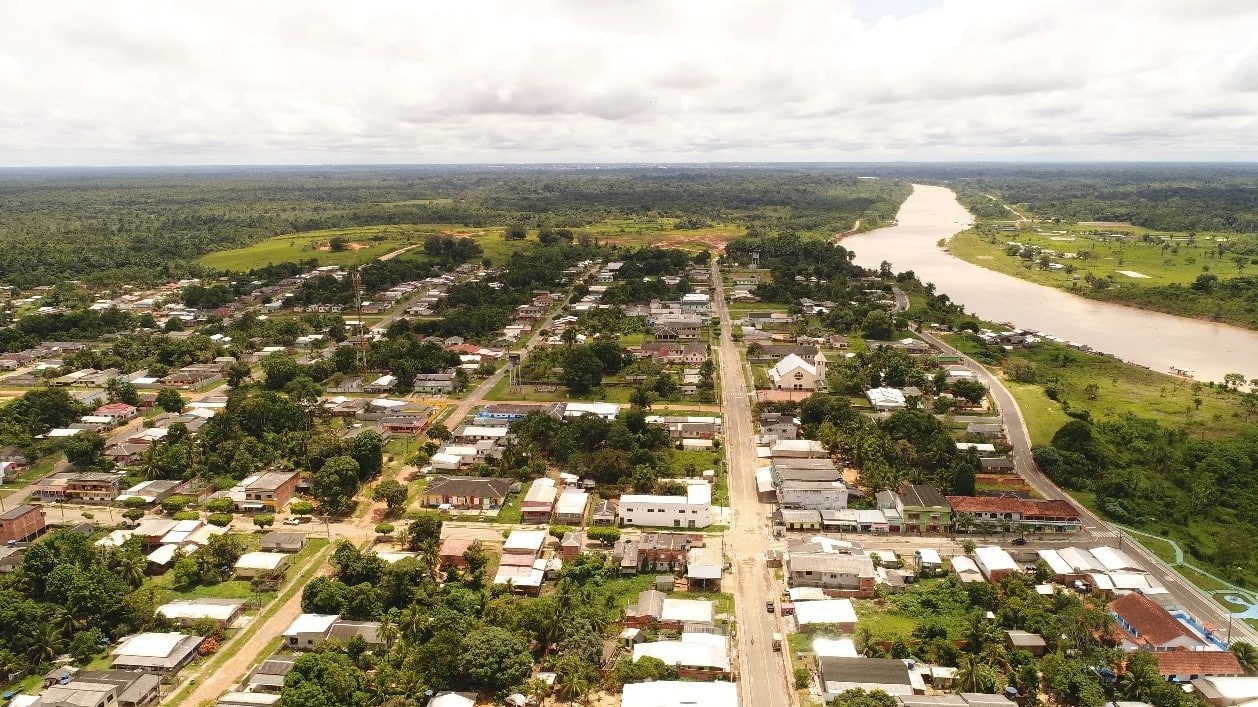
[{"x": 146, "y": 226}]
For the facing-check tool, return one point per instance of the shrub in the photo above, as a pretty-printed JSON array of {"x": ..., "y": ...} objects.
[{"x": 221, "y": 520}]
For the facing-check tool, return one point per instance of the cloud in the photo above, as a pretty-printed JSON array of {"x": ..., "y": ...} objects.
[{"x": 315, "y": 81}]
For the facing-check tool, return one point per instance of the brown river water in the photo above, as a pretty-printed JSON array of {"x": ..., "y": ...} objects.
[{"x": 1152, "y": 339}]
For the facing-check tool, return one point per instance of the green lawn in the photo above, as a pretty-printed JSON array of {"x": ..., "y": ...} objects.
[
  {"x": 702, "y": 461},
  {"x": 378, "y": 240},
  {"x": 610, "y": 393},
  {"x": 1043, "y": 416},
  {"x": 1180, "y": 262}
]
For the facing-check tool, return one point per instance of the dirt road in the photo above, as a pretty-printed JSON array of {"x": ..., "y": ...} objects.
[{"x": 763, "y": 672}]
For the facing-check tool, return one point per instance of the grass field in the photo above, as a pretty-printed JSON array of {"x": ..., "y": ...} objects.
[
  {"x": 1172, "y": 261},
  {"x": 662, "y": 233},
  {"x": 378, "y": 240},
  {"x": 1120, "y": 389}
]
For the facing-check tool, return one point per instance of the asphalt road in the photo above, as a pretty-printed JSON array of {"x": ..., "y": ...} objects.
[
  {"x": 1189, "y": 596},
  {"x": 763, "y": 672}
]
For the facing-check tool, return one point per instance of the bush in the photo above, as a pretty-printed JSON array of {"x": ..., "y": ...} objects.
[
  {"x": 174, "y": 504},
  {"x": 221, "y": 520},
  {"x": 607, "y": 536},
  {"x": 221, "y": 505},
  {"x": 385, "y": 529},
  {"x": 802, "y": 678},
  {"x": 186, "y": 515},
  {"x": 133, "y": 514},
  {"x": 558, "y": 531}
]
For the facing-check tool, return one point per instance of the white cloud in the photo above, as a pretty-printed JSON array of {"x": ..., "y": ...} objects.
[{"x": 640, "y": 80}]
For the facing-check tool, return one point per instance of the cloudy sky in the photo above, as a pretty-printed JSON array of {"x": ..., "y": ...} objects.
[{"x": 358, "y": 81}]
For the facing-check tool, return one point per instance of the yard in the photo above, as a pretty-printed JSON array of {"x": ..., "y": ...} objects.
[{"x": 943, "y": 601}]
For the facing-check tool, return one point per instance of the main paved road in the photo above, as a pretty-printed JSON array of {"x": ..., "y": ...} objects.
[
  {"x": 762, "y": 671},
  {"x": 1189, "y": 596}
]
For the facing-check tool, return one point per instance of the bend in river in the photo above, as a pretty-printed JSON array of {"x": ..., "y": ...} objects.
[{"x": 1152, "y": 339}]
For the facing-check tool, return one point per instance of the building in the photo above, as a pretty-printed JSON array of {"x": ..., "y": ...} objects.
[
  {"x": 309, "y": 630},
  {"x": 607, "y": 411},
  {"x": 815, "y": 495},
  {"x": 151, "y": 492},
  {"x": 571, "y": 506},
  {"x": 160, "y": 653},
  {"x": 21, "y": 524},
  {"x": 703, "y": 656},
  {"x": 79, "y": 486},
  {"x": 890, "y": 675},
  {"x": 117, "y": 413},
  {"x": 886, "y": 399},
  {"x": 188, "y": 611},
  {"x": 132, "y": 689},
  {"x": 1227, "y": 691},
  {"x": 1185, "y": 666},
  {"x": 538, "y": 504},
  {"x": 694, "y": 510},
  {"x": 654, "y": 552},
  {"x": 256, "y": 564},
  {"x": 832, "y": 612},
  {"x": 794, "y": 373},
  {"x": 988, "y": 513},
  {"x": 452, "y": 550},
  {"x": 1032, "y": 643},
  {"x": 797, "y": 449},
  {"x": 270, "y": 491},
  {"x": 831, "y": 571},
  {"x": 798, "y": 519},
  {"x": 467, "y": 491},
  {"x": 966, "y": 569},
  {"x": 436, "y": 383},
  {"x": 924, "y": 509},
  {"x": 1145, "y": 625},
  {"x": 247, "y": 699},
  {"x": 269, "y": 675},
  {"x": 283, "y": 541},
  {"x": 778, "y": 425},
  {"x": 994, "y": 563},
  {"x": 677, "y": 693}
]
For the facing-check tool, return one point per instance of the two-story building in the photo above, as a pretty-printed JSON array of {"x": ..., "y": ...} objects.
[
  {"x": 21, "y": 524},
  {"x": 694, "y": 510},
  {"x": 831, "y": 571},
  {"x": 924, "y": 509},
  {"x": 988, "y": 513}
]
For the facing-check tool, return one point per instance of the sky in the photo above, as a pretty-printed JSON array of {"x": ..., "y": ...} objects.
[{"x": 322, "y": 82}]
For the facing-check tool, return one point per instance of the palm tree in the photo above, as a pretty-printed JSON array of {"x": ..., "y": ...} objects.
[
  {"x": 1247, "y": 655},
  {"x": 46, "y": 643},
  {"x": 131, "y": 568},
  {"x": 973, "y": 675}
]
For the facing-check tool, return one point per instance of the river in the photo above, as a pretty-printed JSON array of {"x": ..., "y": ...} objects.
[{"x": 1158, "y": 341}]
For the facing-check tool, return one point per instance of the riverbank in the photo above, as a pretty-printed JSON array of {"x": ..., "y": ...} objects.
[
  {"x": 1129, "y": 272},
  {"x": 1156, "y": 341}
]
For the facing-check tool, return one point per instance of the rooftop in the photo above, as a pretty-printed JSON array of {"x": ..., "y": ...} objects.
[{"x": 1149, "y": 620}]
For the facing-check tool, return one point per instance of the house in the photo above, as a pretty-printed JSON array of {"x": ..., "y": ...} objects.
[
  {"x": 768, "y": 353},
  {"x": 571, "y": 544},
  {"x": 654, "y": 608},
  {"x": 308, "y": 630},
  {"x": 188, "y": 611},
  {"x": 1032, "y": 643},
  {"x": 538, "y": 504},
  {"x": 282, "y": 541},
  {"x": 794, "y": 373},
  {"x": 831, "y": 571},
  {"x": 797, "y": 449},
  {"x": 605, "y": 512},
  {"x": 570, "y": 508},
  {"x": 855, "y": 520},
  {"x": 21, "y": 524},
  {"x": 924, "y": 509},
  {"x": 1226, "y": 691},
  {"x": 607, "y": 411},
  {"x": 967, "y": 571},
  {"x": 467, "y": 491},
  {"x": 994, "y": 563},
  {"x": 654, "y": 552},
  {"x": 696, "y": 302},
  {"x": 928, "y": 560},
  {"x": 471, "y": 434},
  {"x": 832, "y": 612},
  {"x": 704, "y": 566},
  {"x": 776, "y": 425},
  {"x": 435, "y": 383},
  {"x": 1144, "y": 625},
  {"x": 702, "y": 656},
  {"x": 985, "y": 513},
  {"x": 160, "y": 653},
  {"x": 886, "y": 399},
  {"x": 693, "y": 510},
  {"x": 889, "y": 675},
  {"x": 676, "y": 327},
  {"x": 79, "y": 486},
  {"x": 10, "y": 558},
  {"x": 524, "y": 542},
  {"x": 151, "y": 492},
  {"x": 271, "y": 490},
  {"x": 236, "y": 698},
  {"x": 268, "y": 677},
  {"x": 117, "y": 413},
  {"x": 131, "y": 689},
  {"x": 453, "y": 699},
  {"x": 451, "y": 552},
  {"x": 986, "y": 430},
  {"x": 1185, "y": 666},
  {"x": 815, "y": 495},
  {"x": 677, "y": 693},
  {"x": 797, "y": 519},
  {"x": 257, "y": 564}
]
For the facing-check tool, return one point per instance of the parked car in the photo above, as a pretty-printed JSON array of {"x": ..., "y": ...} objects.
[
  {"x": 1019, "y": 541},
  {"x": 768, "y": 606}
]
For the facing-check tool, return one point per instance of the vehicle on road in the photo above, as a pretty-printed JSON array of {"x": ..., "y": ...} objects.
[
  {"x": 777, "y": 641},
  {"x": 1019, "y": 541},
  {"x": 768, "y": 606}
]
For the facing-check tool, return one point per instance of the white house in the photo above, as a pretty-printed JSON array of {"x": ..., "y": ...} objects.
[
  {"x": 694, "y": 510},
  {"x": 794, "y": 373},
  {"x": 813, "y": 495},
  {"x": 886, "y": 399},
  {"x": 994, "y": 563}
]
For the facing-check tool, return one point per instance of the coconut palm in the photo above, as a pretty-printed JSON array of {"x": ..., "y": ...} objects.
[
  {"x": 973, "y": 675},
  {"x": 1247, "y": 655}
]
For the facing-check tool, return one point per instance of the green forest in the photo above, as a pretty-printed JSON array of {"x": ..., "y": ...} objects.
[{"x": 146, "y": 226}]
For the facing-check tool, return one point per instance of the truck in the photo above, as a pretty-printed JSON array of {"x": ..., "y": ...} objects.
[{"x": 777, "y": 641}]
